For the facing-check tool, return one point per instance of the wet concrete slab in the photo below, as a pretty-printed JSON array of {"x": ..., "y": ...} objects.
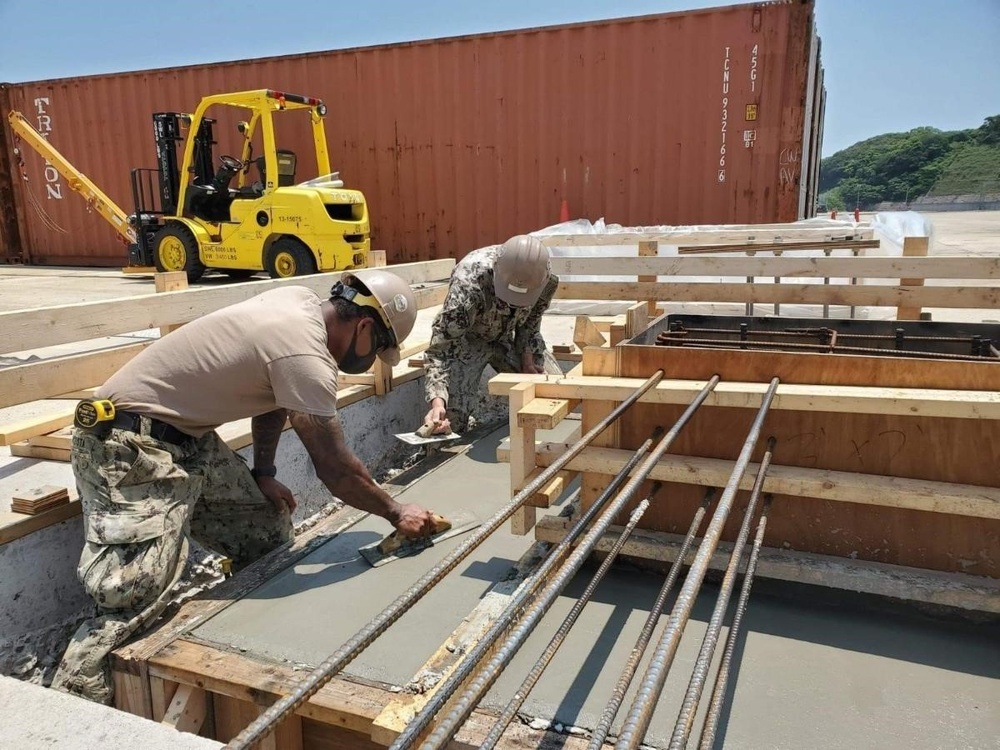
[
  {"x": 816, "y": 669},
  {"x": 304, "y": 614}
]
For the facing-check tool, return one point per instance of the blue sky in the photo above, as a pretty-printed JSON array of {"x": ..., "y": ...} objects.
[{"x": 891, "y": 65}]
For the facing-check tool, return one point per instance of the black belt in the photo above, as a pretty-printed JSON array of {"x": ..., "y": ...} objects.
[{"x": 129, "y": 420}]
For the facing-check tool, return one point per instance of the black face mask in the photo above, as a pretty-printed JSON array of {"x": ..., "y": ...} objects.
[{"x": 353, "y": 364}]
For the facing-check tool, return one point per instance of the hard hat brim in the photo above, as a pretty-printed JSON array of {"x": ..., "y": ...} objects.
[
  {"x": 526, "y": 298},
  {"x": 390, "y": 356}
]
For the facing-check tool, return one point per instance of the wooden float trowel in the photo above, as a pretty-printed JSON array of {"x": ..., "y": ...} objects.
[{"x": 395, "y": 545}]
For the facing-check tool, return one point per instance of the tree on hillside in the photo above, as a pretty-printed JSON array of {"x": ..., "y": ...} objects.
[{"x": 898, "y": 166}]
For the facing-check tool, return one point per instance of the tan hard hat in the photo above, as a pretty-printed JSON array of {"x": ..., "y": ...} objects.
[
  {"x": 392, "y": 299},
  {"x": 521, "y": 271}
]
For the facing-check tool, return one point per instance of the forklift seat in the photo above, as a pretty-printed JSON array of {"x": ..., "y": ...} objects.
[{"x": 286, "y": 168}]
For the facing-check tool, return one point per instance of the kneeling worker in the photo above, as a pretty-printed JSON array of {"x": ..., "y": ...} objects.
[
  {"x": 153, "y": 474},
  {"x": 491, "y": 316}
]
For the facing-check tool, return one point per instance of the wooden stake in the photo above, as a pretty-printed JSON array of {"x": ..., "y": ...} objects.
[{"x": 912, "y": 247}]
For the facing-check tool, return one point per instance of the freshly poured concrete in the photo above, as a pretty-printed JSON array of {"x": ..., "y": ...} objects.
[
  {"x": 305, "y": 613},
  {"x": 817, "y": 670}
]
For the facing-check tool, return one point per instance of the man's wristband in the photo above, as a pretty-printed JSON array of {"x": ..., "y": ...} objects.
[{"x": 270, "y": 471}]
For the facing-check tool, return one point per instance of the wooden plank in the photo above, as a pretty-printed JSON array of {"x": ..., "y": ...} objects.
[
  {"x": 949, "y": 267},
  {"x": 924, "y": 402},
  {"x": 39, "y": 500},
  {"x": 139, "y": 270},
  {"x": 617, "y": 334},
  {"x": 522, "y": 456},
  {"x": 383, "y": 377},
  {"x": 811, "y": 368},
  {"x": 46, "y": 326},
  {"x": 851, "y": 245},
  {"x": 841, "y": 486},
  {"x": 62, "y": 439},
  {"x": 979, "y": 297},
  {"x": 170, "y": 281},
  {"x": 339, "y": 702},
  {"x": 637, "y": 318},
  {"x": 26, "y": 450},
  {"x": 899, "y": 582},
  {"x": 550, "y": 492},
  {"x": 365, "y": 378},
  {"x": 544, "y": 413},
  {"x": 82, "y": 393},
  {"x": 131, "y": 695},
  {"x": 32, "y": 381},
  {"x": 745, "y": 234},
  {"x": 914, "y": 247},
  {"x": 647, "y": 250},
  {"x": 161, "y": 692},
  {"x": 585, "y": 333},
  {"x": 16, "y": 525},
  {"x": 18, "y": 431},
  {"x": 377, "y": 259},
  {"x": 187, "y": 710}
]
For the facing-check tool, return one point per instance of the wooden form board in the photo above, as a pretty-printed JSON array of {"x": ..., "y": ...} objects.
[
  {"x": 730, "y": 235},
  {"x": 930, "y": 446},
  {"x": 47, "y": 326}
]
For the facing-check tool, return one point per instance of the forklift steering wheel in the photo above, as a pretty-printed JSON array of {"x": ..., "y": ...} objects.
[{"x": 232, "y": 163}]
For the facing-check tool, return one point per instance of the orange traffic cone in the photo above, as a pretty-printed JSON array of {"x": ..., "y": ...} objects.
[{"x": 564, "y": 211}]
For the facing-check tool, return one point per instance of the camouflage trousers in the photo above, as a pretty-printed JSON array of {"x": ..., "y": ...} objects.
[
  {"x": 144, "y": 500},
  {"x": 463, "y": 383}
]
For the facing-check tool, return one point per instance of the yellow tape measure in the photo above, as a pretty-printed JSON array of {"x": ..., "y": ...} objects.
[{"x": 91, "y": 413}]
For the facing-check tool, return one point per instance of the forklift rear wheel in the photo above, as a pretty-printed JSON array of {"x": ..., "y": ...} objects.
[
  {"x": 176, "y": 249},
  {"x": 289, "y": 257}
]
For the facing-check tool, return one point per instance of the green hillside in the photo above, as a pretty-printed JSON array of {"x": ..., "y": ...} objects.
[
  {"x": 969, "y": 169},
  {"x": 904, "y": 166}
]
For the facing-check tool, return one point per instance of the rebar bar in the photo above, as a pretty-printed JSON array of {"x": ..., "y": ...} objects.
[
  {"x": 722, "y": 676},
  {"x": 692, "y": 696},
  {"x": 265, "y": 723},
  {"x": 521, "y": 598},
  {"x": 482, "y": 681},
  {"x": 603, "y": 727},
  {"x": 644, "y": 702},
  {"x": 510, "y": 710}
]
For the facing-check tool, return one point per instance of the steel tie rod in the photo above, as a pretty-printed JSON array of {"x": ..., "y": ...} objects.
[
  {"x": 603, "y": 727},
  {"x": 689, "y": 706},
  {"x": 644, "y": 703},
  {"x": 322, "y": 674},
  {"x": 521, "y": 598},
  {"x": 722, "y": 676},
  {"x": 482, "y": 681},
  {"x": 510, "y": 711}
]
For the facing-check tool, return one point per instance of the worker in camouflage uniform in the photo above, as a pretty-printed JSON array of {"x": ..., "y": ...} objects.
[
  {"x": 491, "y": 316},
  {"x": 155, "y": 478}
]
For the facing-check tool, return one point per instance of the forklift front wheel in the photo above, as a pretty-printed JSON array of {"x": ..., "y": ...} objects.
[
  {"x": 176, "y": 249},
  {"x": 289, "y": 257}
]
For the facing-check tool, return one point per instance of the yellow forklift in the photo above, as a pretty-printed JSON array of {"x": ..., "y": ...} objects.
[{"x": 245, "y": 215}]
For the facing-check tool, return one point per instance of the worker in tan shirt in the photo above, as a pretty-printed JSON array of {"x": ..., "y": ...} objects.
[{"x": 157, "y": 475}]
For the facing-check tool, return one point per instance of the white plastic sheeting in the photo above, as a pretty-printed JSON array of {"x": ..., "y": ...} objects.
[{"x": 890, "y": 229}]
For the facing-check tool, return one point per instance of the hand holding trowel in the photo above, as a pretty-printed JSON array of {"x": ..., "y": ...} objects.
[
  {"x": 396, "y": 545},
  {"x": 435, "y": 429}
]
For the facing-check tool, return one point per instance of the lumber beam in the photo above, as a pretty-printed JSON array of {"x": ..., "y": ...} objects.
[
  {"x": 61, "y": 376},
  {"x": 978, "y": 297},
  {"x": 46, "y": 326},
  {"x": 187, "y": 709},
  {"x": 522, "y": 456},
  {"x": 544, "y": 413},
  {"x": 745, "y": 234},
  {"x": 914, "y": 402},
  {"x": 19, "y": 431},
  {"x": 824, "y": 484},
  {"x": 896, "y": 581},
  {"x": 585, "y": 333},
  {"x": 648, "y": 250},
  {"x": 170, "y": 281},
  {"x": 915, "y": 267},
  {"x": 779, "y": 247},
  {"x": 550, "y": 492},
  {"x": 914, "y": 247}
]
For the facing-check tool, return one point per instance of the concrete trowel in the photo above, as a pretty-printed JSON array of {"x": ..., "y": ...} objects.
[
  {"x": 395, "y": 545},
  {"x": 424, "y": 435}
]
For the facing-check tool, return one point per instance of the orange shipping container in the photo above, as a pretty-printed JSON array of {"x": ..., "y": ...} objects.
[{"x": 701, "y": 117}]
